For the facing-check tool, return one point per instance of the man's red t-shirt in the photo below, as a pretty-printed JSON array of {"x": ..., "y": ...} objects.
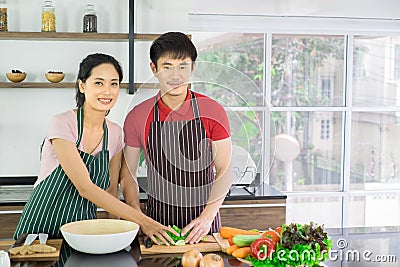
[{"x": 212, "y": 114}]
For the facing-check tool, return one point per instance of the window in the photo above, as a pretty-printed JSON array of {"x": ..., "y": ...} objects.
[
  {"x": 397, "y": 63},
  {"x": 300, "y": 66},
  {"x": 334, "y": 97},
  {"x": 376, "y": 87},
  {"x": 359, "y": 71}
]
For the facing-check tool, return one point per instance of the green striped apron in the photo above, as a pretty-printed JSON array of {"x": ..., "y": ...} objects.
[{"x": 55, "y": 201}]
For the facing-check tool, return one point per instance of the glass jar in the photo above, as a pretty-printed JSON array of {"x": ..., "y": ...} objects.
[
  {"x": 3, "y": 16},
  {"x": 90, "y": 19},
  {"x": 48, "y": 17}
]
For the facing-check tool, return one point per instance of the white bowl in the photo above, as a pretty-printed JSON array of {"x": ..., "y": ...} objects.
[{"x": 99, "y": 236}]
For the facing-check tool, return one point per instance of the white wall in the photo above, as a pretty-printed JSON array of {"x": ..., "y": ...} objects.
[
  {"x": 329, "y": 8},
  {"x": 24, "y": 113}
]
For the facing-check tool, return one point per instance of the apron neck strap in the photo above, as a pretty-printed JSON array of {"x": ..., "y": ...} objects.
[
  {"x": 80, "y": 129},
  {"x": 105, "y": 135},
  {"x": 156, "y": 111},
  {"x": 193, "y": 103},
  {"x": 195, "y": 106},
  {"x": 79, "y": 115}
]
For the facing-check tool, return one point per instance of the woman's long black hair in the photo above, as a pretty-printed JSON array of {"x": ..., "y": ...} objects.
[{"x": 85, "y": 70}]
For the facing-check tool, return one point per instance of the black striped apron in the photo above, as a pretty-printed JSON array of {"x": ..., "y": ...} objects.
[
  {"x": 179, "y": 170},
  {"x": 55, "y": 200}
]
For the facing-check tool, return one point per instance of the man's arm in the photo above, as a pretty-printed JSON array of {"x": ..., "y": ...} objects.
[
  {"x": 130, "y": 190},
  {"x": 222, "y": 155}
]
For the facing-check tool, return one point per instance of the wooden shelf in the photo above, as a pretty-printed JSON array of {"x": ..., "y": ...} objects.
[
  {"x": 43, "y": 85},
  {"x": 145, "y": 37},
  {"x": 146, "y": 86},
  {"x": 36, "y": 85},
  {"x": 70, "y": 36},
  {"x": 75, "y": 36}
]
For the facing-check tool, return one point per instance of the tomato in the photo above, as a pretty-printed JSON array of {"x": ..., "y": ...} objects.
[
  {"x": 278, "y": 230},
  {"x": 273, "y": 235},
  {"x": 262, "y": 248}
]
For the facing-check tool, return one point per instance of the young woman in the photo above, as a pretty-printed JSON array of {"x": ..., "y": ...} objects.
[{"x": 81, "y": 157}]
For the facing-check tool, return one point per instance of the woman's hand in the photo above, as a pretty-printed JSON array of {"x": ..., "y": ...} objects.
[
  {"x": 198, "y": 228},
  {"x": 157, "y": 232}
]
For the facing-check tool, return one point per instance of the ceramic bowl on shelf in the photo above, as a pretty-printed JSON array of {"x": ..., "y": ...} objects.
[
  {"x": 99, "y": 236},
  {"x": 55, "y": 76},
  {"x": 16, "y": 77}
]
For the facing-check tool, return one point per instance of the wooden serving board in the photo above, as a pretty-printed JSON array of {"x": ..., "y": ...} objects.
[
  {"x": 208, "y": 245},
  {"x": 223, "y": 242},
  {"x": 37, "y": 256}
]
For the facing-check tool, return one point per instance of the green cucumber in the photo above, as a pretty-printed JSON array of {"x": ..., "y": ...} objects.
[{"x": 244, "y": 240}]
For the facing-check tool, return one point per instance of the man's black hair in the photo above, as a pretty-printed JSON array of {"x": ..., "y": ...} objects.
[{"x": 176, "y": 45}]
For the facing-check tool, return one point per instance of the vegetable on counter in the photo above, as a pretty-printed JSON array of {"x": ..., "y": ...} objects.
[
  {"x": 273, "y": 235},
  {"x": 211, "y": 260},
  {"x": 231, "y": 249},
  {"x": 242, "y": 252},
  {"x": 191, "y": 258},
  {"x": 289, "y": 245},
  {"x": 306, "y": 234},
  {"x": 278, "y": 229},
  {"x": 226, "y": 232},
  {"x": 244, "y": 240},
  {"x": 179, "y": 240},
  {"x": 299, "y": 244},
  {"x": 262, "y": 248},
  {"x": 230, "y": 240}
]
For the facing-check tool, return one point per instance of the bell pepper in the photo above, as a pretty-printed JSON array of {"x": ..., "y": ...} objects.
[{"x": 262, "y": 248}]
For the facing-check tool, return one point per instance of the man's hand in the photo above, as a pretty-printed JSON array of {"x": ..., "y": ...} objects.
[{"x": 198, "y": 228}]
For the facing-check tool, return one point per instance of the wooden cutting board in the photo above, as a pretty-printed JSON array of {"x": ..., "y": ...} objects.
[
  {"x": 209, "y": 245},
  {"x": 37, "y": 256},
  {"x": 223, "y": 242}
]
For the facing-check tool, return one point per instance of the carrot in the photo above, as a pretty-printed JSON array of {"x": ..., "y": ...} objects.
[
  {"x": 241, "y": 252},
  {"x": 226, "y": 232},
  {"x": 230, "y": 240},
  {"x": 231, "y": 249}
]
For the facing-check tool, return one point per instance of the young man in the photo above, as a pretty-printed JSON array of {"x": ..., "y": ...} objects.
[{"x": 185, "y": 135}]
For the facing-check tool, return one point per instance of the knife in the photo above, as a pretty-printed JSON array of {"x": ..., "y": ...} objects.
[
  {"x": 148, "y": 243},
  {"x": 29, "y": 240},
  {"x": 20, "y": 240}
]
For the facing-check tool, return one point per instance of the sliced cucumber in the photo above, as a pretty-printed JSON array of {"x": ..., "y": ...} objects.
[{"x": 180, "y": 243}]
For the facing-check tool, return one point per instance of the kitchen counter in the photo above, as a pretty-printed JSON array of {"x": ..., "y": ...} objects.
[
  {"x": 12, "y": 193},
  {"x": 352, "y": 247},
  {"x": 246, "y": 206}
]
